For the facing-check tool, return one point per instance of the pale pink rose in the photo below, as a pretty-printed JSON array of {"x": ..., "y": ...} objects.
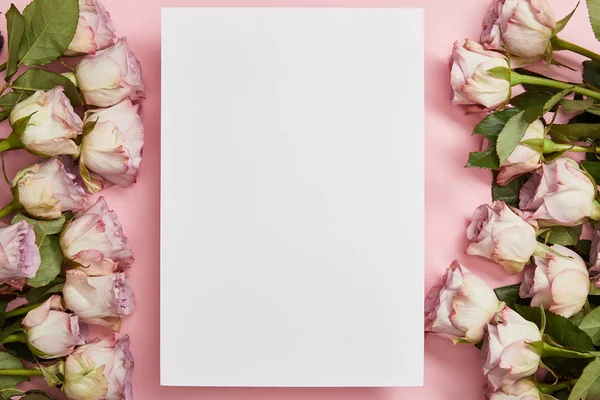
[
  {"x": 523, "y": 27},
  {"x": 461, "y": 306},
  {"x": 506, "y": 353},
  {"x": 113, "y": 149},
  {"x": 53, "y": 124},
  {"x": 49, "y": 188},
  {"x": 95, "y": 241},
  {"x": 51, "y": 331},
  {"x": 110, "y": 76},
  {"x": 497, "y": 233},
  {"x": 559, "y": 193},
  {"x": 19, "y": 255},
  {"x": 100, "y": 300},
  {"x": 95, "y": 30},
  {"x": 523, "y": 159},
  {"x": 525, "y": 389},
  {"x": 100, "y": 371},
  {"x": 471, "y": 80},
  {"x": 560, "y": 284}
]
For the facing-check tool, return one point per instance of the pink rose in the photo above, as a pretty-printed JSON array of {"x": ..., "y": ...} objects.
[
  {"x": 53, "y": 124},
  {"x": 471, "y": 80},
  {"x": 113, "y": 149},
  {"x": 523, "y": 159},
  {"x": 506, "y": 353},
  {"x": 100, "y": 370},
  {"x": 461, "y": 306},
  {"x": 51, "y": 331},
  {"x": 560, "y": 284},
  {"x": 95, "y": 30},
  {"x": 19, "y": 255},
  {"x": 100, "y": 300},
  {"x": 49, "y": 188},
  {"x": 525, "y": 389},
  {"x": 523, "y": 27},
  {"x": 559, "y": 193},
  {"x": 95, "y": 241},
  {"x": 110, "y": 76},
  {"x": 499, "y": 234}
]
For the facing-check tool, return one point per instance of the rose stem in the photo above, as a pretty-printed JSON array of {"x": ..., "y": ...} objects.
[
  {"x": 16, "y": 338},
  {"x": 20, "y": 372},
  {"x": 21, "y": 310},
  {"x": 7, "y": 209},
  {"x": 517, "y": 79},
  {"x": 560, "y": 44}
]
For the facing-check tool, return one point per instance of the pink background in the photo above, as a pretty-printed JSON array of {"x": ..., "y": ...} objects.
[{"x": 452, "y": 193}]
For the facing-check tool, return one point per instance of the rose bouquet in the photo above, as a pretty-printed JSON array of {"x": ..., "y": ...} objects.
[
  {"x": 69, "y": 94},
  {"x": 539, "y": 339}
]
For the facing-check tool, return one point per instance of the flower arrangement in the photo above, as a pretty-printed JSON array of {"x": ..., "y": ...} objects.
[
  {"x": 539, "y": 339},
  {"x": 63, "y": 256}
]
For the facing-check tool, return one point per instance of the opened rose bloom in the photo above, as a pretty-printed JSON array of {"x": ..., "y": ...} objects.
[
  {"x": 100, "y": 300},
  {"x": 52, "y": 332},
  {"x": 523, "y": 159},
  {"x": 53, "y": 124},
  {"x": 95, "y": 241},
  {"x": 19, "y": 255},
  {"x": 110, "y": 76},
  {"x": 100, "y": 371},
  {"x": 498, "y": 233},
  {"x": 49, "y": 188},
  {"x": 559, "y": 193},
  {"x": 523, "y": 27},
  {"x": 113, "y": 148},
  {"x": 558, "y": 283},
  {"x": 471, "y": 79},
  {"x": 507, "y": 355},
  {"x": 461, "y": 306},
  {"x": 95, "y": 30},
  {"x": 525, "y": 389}
]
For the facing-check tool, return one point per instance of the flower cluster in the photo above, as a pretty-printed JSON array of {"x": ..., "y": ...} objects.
[
  {"x": 64, "y": 257},
  {"x": 538, "y": 338}
]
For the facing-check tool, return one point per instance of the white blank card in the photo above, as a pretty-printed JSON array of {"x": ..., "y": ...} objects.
[{"x": 292, "y": 197}]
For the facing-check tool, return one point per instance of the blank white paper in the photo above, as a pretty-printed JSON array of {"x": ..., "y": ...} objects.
[{"x": 292, "y": 197}]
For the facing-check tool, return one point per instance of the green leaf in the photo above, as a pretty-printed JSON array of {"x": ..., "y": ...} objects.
[
  {"x": 564, "y": 235},
  {"x": 576, "y": 105},
  {"x": 560, "y": 329},
  {"x": 9, "y": 393},
  {"x": 593, "y": 168},
  {"x": 590, "y": 375},
  {"x": 483, "y": 159},
  {"x": 8, "y": 361},
  {"x": 575, "y": 132},
  {"x": 49, "y": 28},
  {"x": 40, "y": 294},
  {"x": 594, "y": 15},
  {"x": 11, "y": 329},
  {"x": 4, "y": 300},
  {"x": 20, "y": 125},
  {"x": 509, "y": 193},
  {"x": 492, "y": 125},
  {"x": 8, "y": 101},
  {"x": 591, "y": 325},
  {"x": 20, "y": 350},
  {"x": 554, "y": 100},
  {"x": 510, "y": 295},
  {"x": 560, "y": 25},
  {"x": 532, "y": 98},
  {"x": 39, "y": 79},
  {"x": 15, "y": 26},
  {"x": 36, "y": 395},
  {"x": 47, "y": 240},
  {"x": 591, "y": 72},
  {"x": 513, "y": 132}
]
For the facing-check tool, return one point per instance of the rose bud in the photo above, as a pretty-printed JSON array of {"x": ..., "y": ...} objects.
[
  {"x": 51, "y": 332},
  {"x": 523, "y": 159},
  {"x": 522, "y": 27},
  {"x": 95, "y": 241},
  {"x": 497, "y": 233},
  {"x": 110, "y": 76},
  {"x": 506, "y": 353},
  {"x": 100, "y": 300},
  {"x": 19, "y": 256},
  {"x": 95, "y": 30},
  {"x": 113, "y": 148},
  {"x": 48, "y": 188},
  {"x": 53, "y": 124},
  {"x": 559, "y": 193},
  {"x": 525, "y": 389},
  {"x": 100, "y": 370},
  {"x": 560, "y": 284},
  {"x": 471, "y": 79},
  {"x": 460, "y": 307}
]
